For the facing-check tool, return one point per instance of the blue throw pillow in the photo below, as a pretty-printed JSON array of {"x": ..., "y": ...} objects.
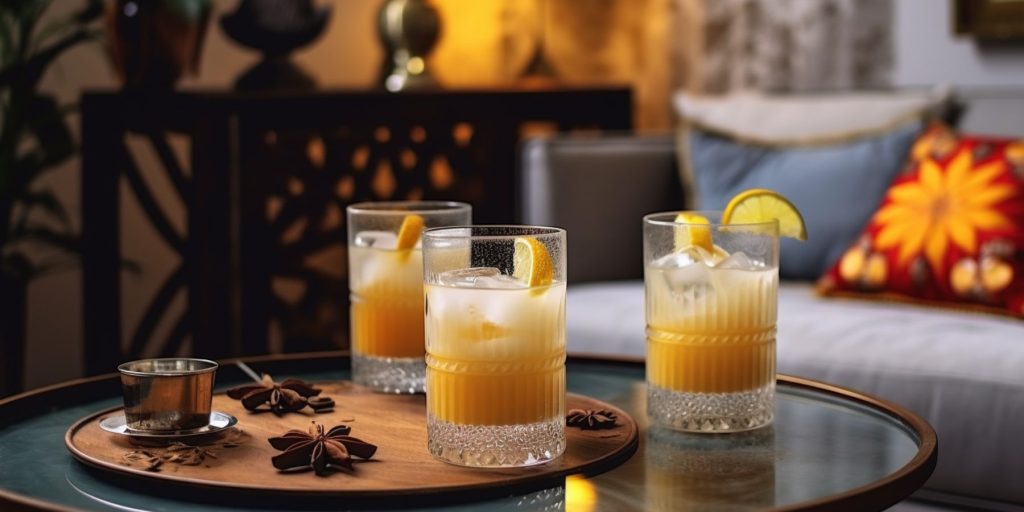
[{"x": 837, "y": 187}]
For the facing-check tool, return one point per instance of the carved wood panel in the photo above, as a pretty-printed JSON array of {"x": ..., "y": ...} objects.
[{"x": 264, "y": 261}]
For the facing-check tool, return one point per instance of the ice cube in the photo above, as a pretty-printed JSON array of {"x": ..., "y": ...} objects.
[
  {"x": 467, "y": 277},
  {"x": 377, "y": 239},
  {"x": 736, "y": 260},
  {"x": 689, "y": 285},
  {"x": 679, "y": 259},
  {"x": 687, "y": 275},
  {"x": 689, "y": 255},
  {"x": 499, "y": 281}
]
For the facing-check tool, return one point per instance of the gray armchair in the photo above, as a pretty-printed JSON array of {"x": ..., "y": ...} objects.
[{"x": 598, "y": 189}]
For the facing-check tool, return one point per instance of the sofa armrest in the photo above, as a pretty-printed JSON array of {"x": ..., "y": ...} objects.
[{"x": 598, "y": 189}]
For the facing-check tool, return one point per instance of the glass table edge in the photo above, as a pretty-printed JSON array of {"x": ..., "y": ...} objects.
[
  {"x": 895, "y": 487},
  {"x": 892, "y": 489},
  {"x": 882, "y": 493}
]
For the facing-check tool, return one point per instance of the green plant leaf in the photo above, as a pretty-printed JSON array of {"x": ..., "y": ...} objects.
[
  {"x": 59, "y": 28},
  {"x": 31, "y": 165},
  {"x": 28, "y": 16},
  {"x": 7, "y": 28},
  {"x": 47, "y": 202},
  {"x": 68, "y": 242},
  {"x": 34, "y": 136},
  {"x": 52, "y": 30},
  {"x": 27, "y": 73},
  {"x": 55, "y": 266},
  {"x": 93, "y": 9},
  {"x": 19, "y": 7},
  {"x": 17, "y": 264},
  {"x": 60, "y": 112},
  {"x": 48, "y": 128}
]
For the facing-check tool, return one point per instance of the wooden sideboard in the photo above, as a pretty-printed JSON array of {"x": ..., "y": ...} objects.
[{"x": 264, "y": 189}]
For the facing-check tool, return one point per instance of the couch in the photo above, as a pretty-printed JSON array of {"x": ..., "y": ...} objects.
[{"x": 960, "y": 371}]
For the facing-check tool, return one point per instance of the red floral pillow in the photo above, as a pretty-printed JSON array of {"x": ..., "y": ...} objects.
[{"x": 950, "y": 229}]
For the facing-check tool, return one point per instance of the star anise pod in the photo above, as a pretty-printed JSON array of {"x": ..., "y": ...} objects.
[
  {"x": 319, "y": 450},
  {"x": 287, "y": 396},
  {"x": 590, "y": 419}
]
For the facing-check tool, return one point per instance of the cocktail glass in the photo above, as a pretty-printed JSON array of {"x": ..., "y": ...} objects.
[
  {"x": 711, "y": 307},
  {"x": 386, "y": 286},
  {"x": 495, "y": 333}
]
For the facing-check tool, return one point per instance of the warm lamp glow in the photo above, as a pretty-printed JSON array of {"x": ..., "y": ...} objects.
[
  {"x": 580, "y": 494},
  {"x": 483, "y": 42},
  {"x": 415, "y": 66}
]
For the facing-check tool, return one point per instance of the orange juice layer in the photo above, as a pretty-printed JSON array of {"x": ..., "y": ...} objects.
[
  {"x": 388, "y": 328},
  {"x": 387, "y": 302},
  {"x": 495, "y": 356},
  {"x": 715, "y": 336},
  {"x": 515, "y": 398},
  {"x": 683, "y": 362}
]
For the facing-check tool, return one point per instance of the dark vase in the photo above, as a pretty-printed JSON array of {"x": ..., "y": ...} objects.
[
  {"x": 13, "y": 297},
  {"x": 153, "y": 43},
  {"x": 275, "y": 28}
]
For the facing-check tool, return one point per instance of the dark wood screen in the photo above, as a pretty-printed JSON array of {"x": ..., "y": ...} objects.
[{"x": 262, "y": 262}]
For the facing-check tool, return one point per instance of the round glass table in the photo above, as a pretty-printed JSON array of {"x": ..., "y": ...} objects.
[{"x": 828, "y": 448}]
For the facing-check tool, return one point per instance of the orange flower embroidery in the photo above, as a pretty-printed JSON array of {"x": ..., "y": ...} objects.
[
  {"x": 943, "y": 206},
  {"x": 936, "y": 143}
]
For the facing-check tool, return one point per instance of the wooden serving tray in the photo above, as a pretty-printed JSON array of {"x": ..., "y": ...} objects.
[{"x": 402, "y": 467}]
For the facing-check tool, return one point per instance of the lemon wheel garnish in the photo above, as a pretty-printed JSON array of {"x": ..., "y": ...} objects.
[
  {"x": 409, "y": 233},
  {"x": 691, "y": 234},
  {"x": 762, "y": 205},
  {"x": 531, "y": 262}
]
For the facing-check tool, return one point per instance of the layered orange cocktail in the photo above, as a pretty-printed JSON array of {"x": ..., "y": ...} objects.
[
  {"x": 711, "y": 283},
  {"x": 386, "y": 285},
  {"x": 496, "y": 351},
  {"x": 387, "y": 302},
  {"x": 710, "y": 329}
]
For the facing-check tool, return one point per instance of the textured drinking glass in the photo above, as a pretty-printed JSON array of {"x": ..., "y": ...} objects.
[
  {"x": 386, "y": 287},
  {"x": 495, "y": 345},
  {"x": 710, "y": 323}
]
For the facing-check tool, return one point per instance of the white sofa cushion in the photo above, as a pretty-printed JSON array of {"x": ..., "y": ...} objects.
[
  {"x": 809, "y": 118},
  {"x": 962, "y": 372}
]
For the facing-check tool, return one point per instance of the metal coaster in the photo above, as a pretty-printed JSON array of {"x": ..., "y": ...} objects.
[{"x": 219, "y": 422}]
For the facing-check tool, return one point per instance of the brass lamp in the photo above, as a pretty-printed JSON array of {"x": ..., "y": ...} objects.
[{"x": 409, "y": 29}]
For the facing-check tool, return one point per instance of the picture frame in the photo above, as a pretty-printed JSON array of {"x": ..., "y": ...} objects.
[{"x": 989, "y": 20}]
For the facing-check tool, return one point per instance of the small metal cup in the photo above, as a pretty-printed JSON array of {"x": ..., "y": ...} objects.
[{"x": 167, "y": 395}]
